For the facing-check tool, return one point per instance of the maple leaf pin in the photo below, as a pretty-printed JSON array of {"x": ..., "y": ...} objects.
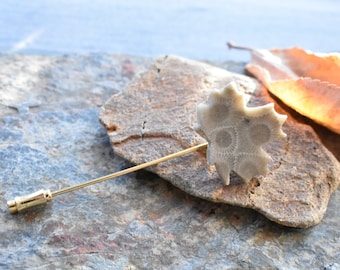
[{"x": 236, "y": 133}]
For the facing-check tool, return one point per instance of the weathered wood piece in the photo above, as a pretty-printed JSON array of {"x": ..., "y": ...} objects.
[{"x": 156, "y": 116}]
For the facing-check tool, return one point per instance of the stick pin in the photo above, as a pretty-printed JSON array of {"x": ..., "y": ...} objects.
[{"x": 235, "y": 135}]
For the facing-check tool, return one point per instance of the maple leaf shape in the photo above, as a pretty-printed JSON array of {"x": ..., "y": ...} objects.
[{"x": 236, "y": 133}]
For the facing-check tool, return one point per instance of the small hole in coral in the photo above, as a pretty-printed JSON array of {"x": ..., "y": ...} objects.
[
  {"x": 248, "y": 169},
  {"x": 257, "y": 183},
  {"x": 219, "y": 112},
  {"x": 259, "y": 134},
  {"x": 223, "y": 139}
]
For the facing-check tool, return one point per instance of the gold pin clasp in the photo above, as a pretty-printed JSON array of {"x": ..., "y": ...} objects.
[{"x": 19, "y": 204}]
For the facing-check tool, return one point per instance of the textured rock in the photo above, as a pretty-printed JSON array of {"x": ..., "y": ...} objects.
[
  {"x": 138, "y": 221},
  {"x": 156, "y": 116}
]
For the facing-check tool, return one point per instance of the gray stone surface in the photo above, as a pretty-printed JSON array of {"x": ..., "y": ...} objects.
[{"x": 50, "y": 137}]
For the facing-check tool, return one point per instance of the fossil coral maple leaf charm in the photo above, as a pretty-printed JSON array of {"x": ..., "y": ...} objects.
[{"x": 236, "y": 133}]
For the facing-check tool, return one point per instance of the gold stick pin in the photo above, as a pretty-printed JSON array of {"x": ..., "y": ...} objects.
[
  {"x": 41, "y": 197},
  {"x": 234, "y": 132}
]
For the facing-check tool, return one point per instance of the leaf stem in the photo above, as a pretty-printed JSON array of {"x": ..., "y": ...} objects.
[{"x": 231, "y": 45}]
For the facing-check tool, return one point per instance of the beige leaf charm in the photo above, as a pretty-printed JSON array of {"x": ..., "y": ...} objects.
[{"x": 236, "y": 133}]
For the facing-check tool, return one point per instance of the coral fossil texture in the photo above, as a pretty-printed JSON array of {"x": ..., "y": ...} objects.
[{"x": 236, "y": 133}]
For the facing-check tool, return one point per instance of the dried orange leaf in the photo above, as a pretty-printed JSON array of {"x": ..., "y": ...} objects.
[{"x": 307, "y": 82}]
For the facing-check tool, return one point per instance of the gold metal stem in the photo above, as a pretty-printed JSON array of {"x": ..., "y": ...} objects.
[
  {"x": 129, "y": 170},
  {"x": 21, "y": 203}
]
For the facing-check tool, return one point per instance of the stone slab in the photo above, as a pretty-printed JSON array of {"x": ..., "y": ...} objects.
[{"x": 156, "y": 116}]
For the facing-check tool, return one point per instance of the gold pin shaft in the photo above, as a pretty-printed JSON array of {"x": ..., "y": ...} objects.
[{"x": 43, "y": 196}]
